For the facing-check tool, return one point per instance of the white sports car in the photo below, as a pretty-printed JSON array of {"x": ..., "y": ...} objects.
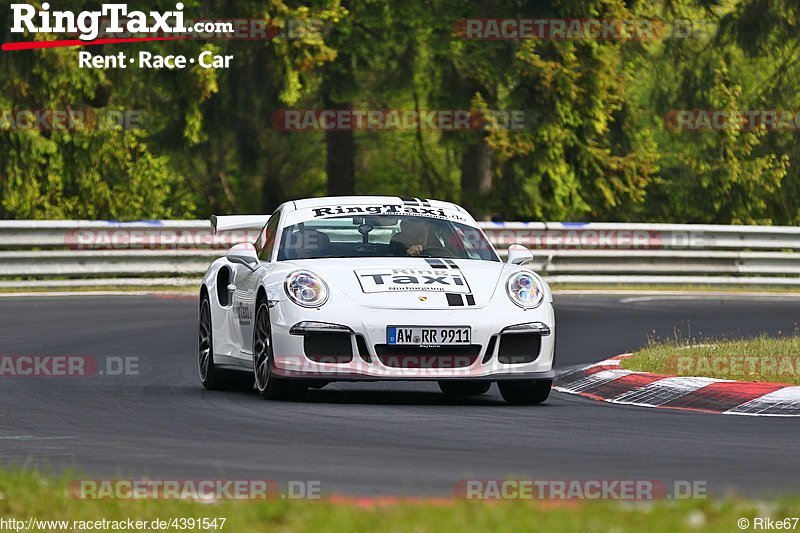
[{"x": 374, "y": 288}]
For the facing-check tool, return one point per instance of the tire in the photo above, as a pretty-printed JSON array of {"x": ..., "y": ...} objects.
[
  {"x": 525, "y": 392},
  {"x": 211, "y": 377},
  {"x": 270, "y": 387},
  {"x": 464, "y": 388}
]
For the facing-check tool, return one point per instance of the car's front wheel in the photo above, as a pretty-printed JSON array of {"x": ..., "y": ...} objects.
[
  {"x": 526, "y": 392},
  {"x": 464, "y": 388},
  {"x": 268, "y": 385}
]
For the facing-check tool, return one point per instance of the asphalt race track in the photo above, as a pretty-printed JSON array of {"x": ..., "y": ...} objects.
[{"x": 375, "y": 438}]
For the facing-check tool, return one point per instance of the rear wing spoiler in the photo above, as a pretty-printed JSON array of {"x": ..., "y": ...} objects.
[{"x": 232, "y": 222}]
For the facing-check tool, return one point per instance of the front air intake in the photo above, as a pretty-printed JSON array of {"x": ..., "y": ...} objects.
[
  {"x": 328, "y": 346},
  {"x": 516, "y": 348}
]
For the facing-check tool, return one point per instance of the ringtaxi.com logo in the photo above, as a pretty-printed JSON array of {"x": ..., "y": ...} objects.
[
  {"x": 117, "y": 22},
  {"x": 87, "y": 23}
]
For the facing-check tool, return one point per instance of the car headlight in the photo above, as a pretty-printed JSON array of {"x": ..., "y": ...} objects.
[
  {"x": 306, "y": 289},
  {"x": 525, "y": 290}
]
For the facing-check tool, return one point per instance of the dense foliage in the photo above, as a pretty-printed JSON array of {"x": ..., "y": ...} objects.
[{"x": 599, "y": 141}]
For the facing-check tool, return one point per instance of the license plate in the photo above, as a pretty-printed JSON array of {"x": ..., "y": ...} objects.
[{"x": 421, "y": 336}]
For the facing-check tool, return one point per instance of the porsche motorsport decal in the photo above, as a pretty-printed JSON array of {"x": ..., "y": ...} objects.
[
  {"x": 244, "y": 314},
  {"x": 454, "y": 299},
  {"x": 442, "y": 263},
  {"x": 407, "y": 200},
  {"x": 459, "y": 300}
]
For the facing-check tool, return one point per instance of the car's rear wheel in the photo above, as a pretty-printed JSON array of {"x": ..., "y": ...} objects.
[
  {"x": 268, "y": 385},
  {"x": 527, "y": 392},
  {"x": 464, "y": 388},
  {"x": 211, "y": 377}
]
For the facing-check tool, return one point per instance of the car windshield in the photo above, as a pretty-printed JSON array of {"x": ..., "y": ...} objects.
[{"x": 384, "y": 236}]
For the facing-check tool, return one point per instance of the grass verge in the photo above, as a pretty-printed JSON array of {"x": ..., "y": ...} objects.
[
  {"x": 25, "y": 495},
  {"x": 755, "y": 359}
]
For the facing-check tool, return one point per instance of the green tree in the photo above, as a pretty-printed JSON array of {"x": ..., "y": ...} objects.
[{"x": 722, "y": 176}]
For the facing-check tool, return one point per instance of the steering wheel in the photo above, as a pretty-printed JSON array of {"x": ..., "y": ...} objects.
[{"x": 437, "y": 251}]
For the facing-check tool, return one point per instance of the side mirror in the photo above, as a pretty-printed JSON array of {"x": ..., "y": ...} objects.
[
  {"x": 519, "y": 255},
  {"x": 244, "y": 254}
]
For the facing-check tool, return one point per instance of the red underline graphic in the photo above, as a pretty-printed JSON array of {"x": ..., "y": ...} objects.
[{"x": 10, "y": 47}]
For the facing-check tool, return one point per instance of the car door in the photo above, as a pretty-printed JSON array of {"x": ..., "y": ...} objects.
[{"x": 246, "y": 282}]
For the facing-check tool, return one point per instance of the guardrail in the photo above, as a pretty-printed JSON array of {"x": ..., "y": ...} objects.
[{"x": 97, "y": 253}]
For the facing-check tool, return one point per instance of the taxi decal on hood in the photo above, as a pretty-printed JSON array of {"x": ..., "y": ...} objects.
[{"x": 412, "y": 280}]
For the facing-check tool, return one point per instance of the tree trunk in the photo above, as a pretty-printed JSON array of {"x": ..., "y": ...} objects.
[
  {"x": 476, "y": 179},
  {"x": 273, "y": 194},
  {"x": 338, "y": 81},
  {"x": 340, "y": 161}
]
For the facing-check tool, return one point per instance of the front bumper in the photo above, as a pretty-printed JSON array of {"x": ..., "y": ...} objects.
[
  {"x": 368, "y": 375},
  {"x": 488, "y": 323}
]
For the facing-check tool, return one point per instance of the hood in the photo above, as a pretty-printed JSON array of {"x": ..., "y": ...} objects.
[{"x": 409, "y": 282}]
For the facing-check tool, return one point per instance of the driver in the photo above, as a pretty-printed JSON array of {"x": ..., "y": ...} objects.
[
  {"x": 413, "y": 235},
  {"x": 310, "y": 244}
]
